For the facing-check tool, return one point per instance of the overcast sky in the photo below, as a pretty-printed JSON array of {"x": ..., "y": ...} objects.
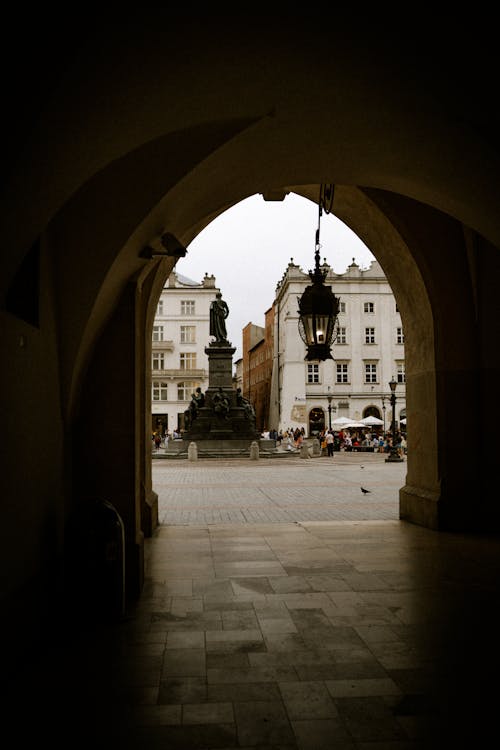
[{"x": 248, "y": 247}]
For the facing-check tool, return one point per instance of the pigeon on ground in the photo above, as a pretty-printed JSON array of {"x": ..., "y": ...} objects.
[{"x": 364, "y": 491}]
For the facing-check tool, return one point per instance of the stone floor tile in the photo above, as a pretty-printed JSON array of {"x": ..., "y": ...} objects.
[
  {"x": 182, "y": 690},
  {"x": 262, "y": 722},
  {"x": 181, "y": 605},
  {"x": 211, "y": 604},
  {"x": 289, "y": 584},
  {"x": 397, "y": 655},
  {"x": 290, "y": 658},
  {"x": 271, "y": 607},
  {"x": 207, "y": 621},
  {"x": 362, "y": 688},
  {"x": 212, "y": 588},
  {"x": 322, "y": 734},
  {"x": 308, "y": 600},
  {"x": 251, "y": 585},
  {"x": 184, "y": 662},
  {"x": 351, "y": 670},
  {"x": 230, "y": 660},
  {"x": 364, "y": 582},
  {"x": 284, "y": 642},
  {"x": 345, "y": 599},
  {"x": 369, "y": 719},
  {"x": 251, "y": 674},
  {"x": 157, "y": 715},
  {"x": 307, "y": 618},
  {"x": 310, "y": 569},
  {"x": 249, "y": 554},
  {"x": 215, "y": 638},
  {"x": 277, "y": 625},
  {"x": 327, "y": 583},
  {"x": 378, "y": 633},
  {"x": 207, "y": 713},
  {"x": 185, "y": 639},
  {"x": 248, "y": 569},
  {"x": 251, "y": 691},
  {"x": 307, "y": 700},
  {"x": 239, "y": 620}
]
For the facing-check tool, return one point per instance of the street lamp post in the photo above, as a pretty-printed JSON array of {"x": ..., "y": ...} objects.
[
  {"x": 331, "y": 408},
  {"x": 393, "y": 455},
  {"x": 383, "y": 410}
]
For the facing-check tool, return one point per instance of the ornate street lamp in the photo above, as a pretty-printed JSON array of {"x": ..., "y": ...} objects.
[
  {"x": 383, "y": 410},
  {"x": 318, "y": 306},
  {"x": 393, "y": 454}
]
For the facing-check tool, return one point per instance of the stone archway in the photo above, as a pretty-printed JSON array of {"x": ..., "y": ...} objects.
[{"x": 134, "y": 145}]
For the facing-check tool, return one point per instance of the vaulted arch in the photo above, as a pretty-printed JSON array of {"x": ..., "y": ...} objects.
[{"x": 149, "y": 128}]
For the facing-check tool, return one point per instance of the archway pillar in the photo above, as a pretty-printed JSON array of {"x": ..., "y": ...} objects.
[{"x": 112, "y": 452}]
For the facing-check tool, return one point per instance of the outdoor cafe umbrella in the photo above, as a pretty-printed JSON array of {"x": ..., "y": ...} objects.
[
  {"x": 341, "y": 421},
  {"x": 353, "y": 423},
  {"x": 372, "y": 421}
]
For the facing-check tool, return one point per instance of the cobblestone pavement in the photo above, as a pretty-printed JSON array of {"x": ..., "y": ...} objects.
[{"x": 278, "y": 490}]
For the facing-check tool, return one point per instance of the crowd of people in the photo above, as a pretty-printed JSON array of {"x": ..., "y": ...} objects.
[
  {"x": 341, "y": 440},
  {"x": 347, "y": 440}
]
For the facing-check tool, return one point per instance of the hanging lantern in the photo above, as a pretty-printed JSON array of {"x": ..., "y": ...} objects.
[{"x": 318, "y": 306}]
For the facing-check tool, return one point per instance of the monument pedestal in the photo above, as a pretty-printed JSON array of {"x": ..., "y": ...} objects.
[{"x": 224, "y": 423}]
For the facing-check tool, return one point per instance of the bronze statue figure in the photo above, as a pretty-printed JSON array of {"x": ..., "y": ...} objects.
[
  {"x": 245, "y": 403},
  {"x": 221, "y": 404},
  {"x": 218, "y": 314}
]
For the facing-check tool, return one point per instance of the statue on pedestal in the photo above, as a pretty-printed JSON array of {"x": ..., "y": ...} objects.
[{"x": 218, "y": 314}]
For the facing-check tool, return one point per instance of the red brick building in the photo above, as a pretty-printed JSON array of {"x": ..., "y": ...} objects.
[{"x": 258, "y": 367}]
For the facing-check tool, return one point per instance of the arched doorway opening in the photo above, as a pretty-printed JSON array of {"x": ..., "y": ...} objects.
[
  {"x": 372, "y": 411},
  {"x": 316, "y": 421},
  {"x": 151, "y": 146}
]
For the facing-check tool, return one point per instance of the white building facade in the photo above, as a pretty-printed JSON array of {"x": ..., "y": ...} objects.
[
  {"x": 179, "y": 363},
  {"x": 367, "y": 353}
]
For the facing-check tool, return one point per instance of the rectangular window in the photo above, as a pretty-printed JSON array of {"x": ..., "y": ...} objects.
[
  {"x": 401, "y": 375},
  {"x": 313, "y": 373},
  {"x": 370, "y": 373},
  {"x": 341, "y": 335},
  {"x": 369, "y": 335},
  {"x": 400, "y": 339},
  {"x": 160, "y": 391},
  {"x": 369, "y": 307},
  {"x": 158, "y": 361},
  {"x": 188, "y": 334},
  {"x": 157, "y": 333},
  {"x": 342, "y": 373},
  {"x": 187, "y": 307},
  {"x": 185, "y": 389},
  {"x": 188, "y": 361},
  {"x": 159, "y": 309},
  {"x": 342, "y": 307}
]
